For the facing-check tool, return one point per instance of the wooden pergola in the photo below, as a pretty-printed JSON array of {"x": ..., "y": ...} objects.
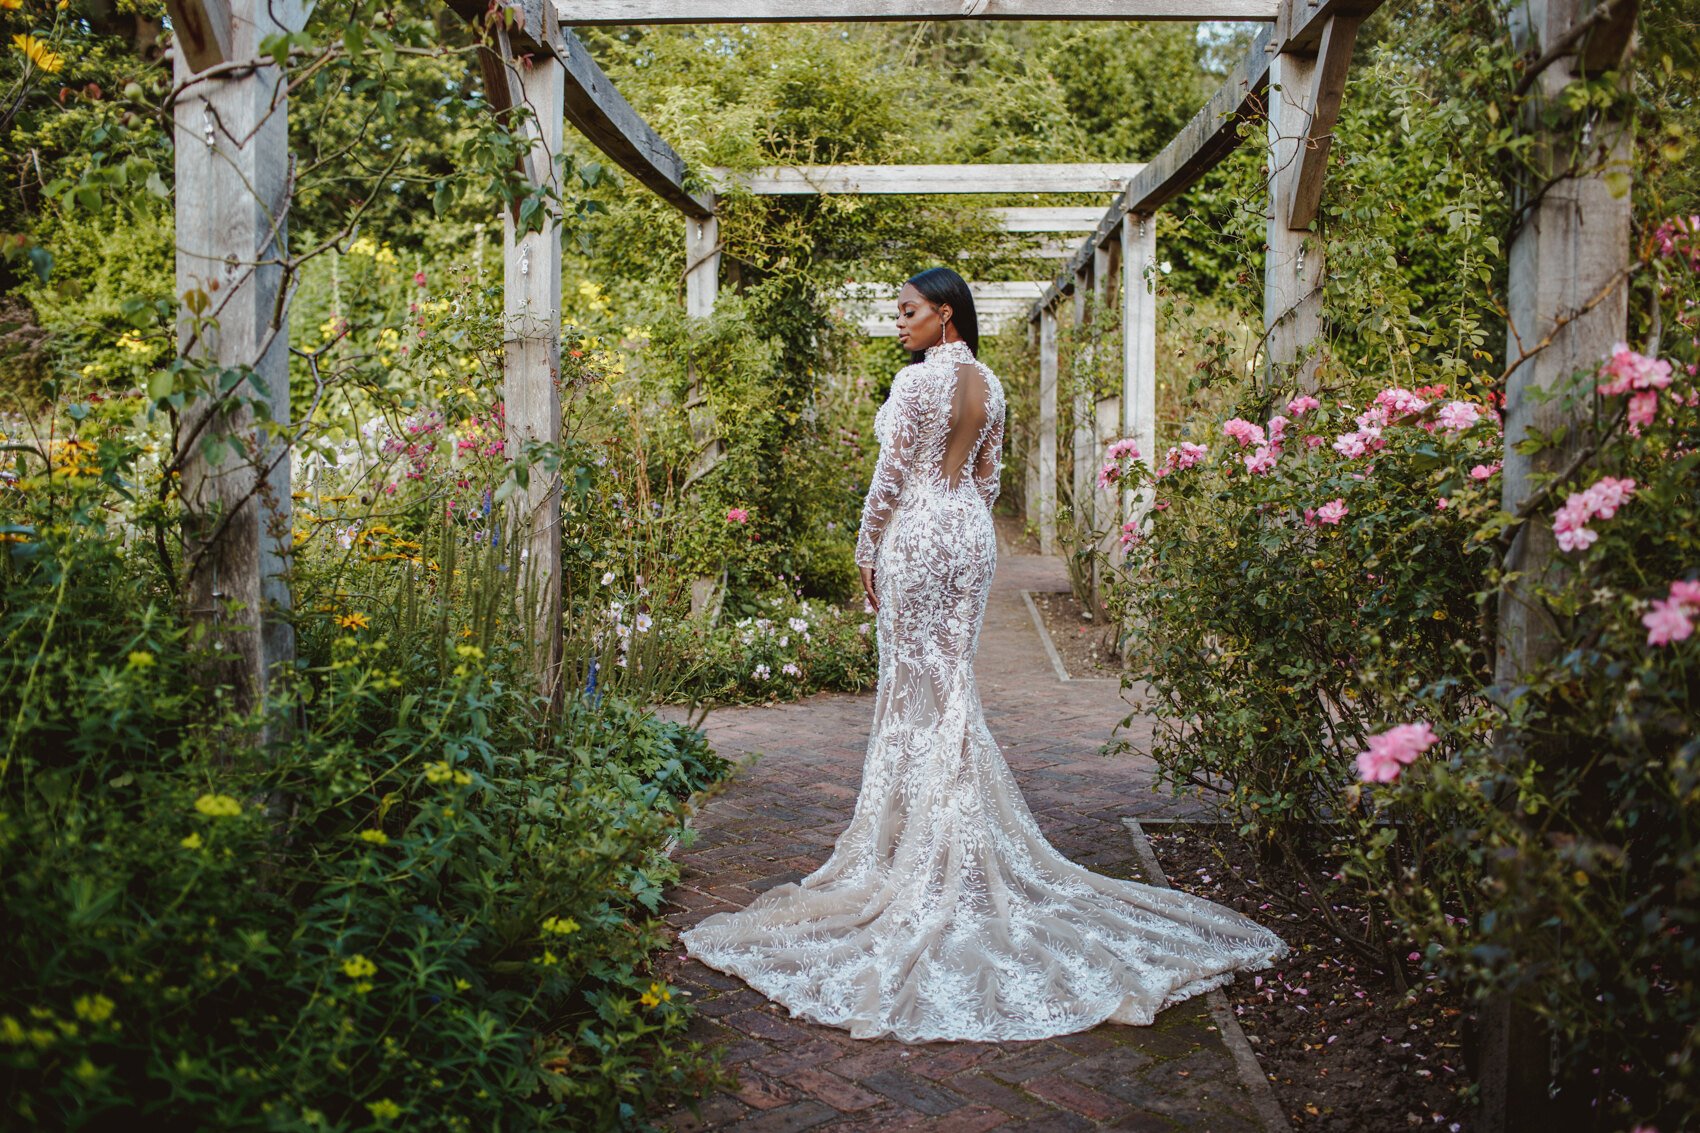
[{"x": 1568, "y": 294}]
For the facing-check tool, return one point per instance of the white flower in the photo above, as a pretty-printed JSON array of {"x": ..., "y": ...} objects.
[
  {"x": 863, "y": 629},
  {"x": 798, "y": 624},
  {"x": 643, "y": 623},
  {"x": 791, "y": 670},
  {"x": 784, "y": 641},
  {"x": 607, "y": 577},
  {"x": 761, "y": 672},
  {"x": 1165, "y": 267}
]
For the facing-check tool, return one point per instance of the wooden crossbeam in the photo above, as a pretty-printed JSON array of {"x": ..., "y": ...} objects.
[
  {"x": 589, "y": 12},
  {"x": 203, "y": 29},
  {"x": 1300, "y": 24},
  {"x": 1201, "y": 143},
  {"x": 593, "y": 104},
  {"x": 1047, "y": 219},
  {"x": 792, "y": 180},
  {"x": 601, "y": 113}
]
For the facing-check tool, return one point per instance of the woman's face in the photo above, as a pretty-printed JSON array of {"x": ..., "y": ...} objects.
[{"x": 919, "y": 323}]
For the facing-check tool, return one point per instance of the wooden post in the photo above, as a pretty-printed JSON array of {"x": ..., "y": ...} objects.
[
  {"x": 532, "y": 352},
  {"x": 232, "y": 205},
  {"x": 1030, "y": 465},
  {"x": 1106, "y": 510},
  {"x": 1048, "y": 431},
  {"x": 1569, "y": 256},
  {"x": 1082, "y": 430},
  {"x": 702, "y": 288},
  {"x": 1292, "y": 266},
  {"x": 702, "y": 264},
  {"x": 1139, "y": 344}
]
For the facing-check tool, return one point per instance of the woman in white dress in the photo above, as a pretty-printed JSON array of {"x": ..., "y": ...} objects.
[{"x": 943, "y": 912}]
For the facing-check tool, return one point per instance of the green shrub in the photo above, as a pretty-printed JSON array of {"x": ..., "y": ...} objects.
[{"x": 428, "y": 904}]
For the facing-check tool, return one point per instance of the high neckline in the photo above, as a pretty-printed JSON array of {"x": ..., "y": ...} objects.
[{"x": 952, "y": 351}]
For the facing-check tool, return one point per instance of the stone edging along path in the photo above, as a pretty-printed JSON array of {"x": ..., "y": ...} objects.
[{"x": 800, "y": 765}]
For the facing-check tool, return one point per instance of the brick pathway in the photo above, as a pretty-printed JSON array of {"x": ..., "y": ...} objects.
[{"x": 777, "y": 820}]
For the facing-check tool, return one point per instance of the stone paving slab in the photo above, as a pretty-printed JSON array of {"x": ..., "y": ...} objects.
[{"x": 776, "y": 820}]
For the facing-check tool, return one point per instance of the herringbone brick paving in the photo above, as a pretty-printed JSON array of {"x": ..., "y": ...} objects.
[{"x": 777, "y": 820}]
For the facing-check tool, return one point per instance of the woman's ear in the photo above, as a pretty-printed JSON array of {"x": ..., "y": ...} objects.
[{"x": 944, "y": 313}]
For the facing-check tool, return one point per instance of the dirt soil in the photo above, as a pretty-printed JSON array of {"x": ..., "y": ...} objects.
[
  {"x": 1345, "y": 1051},
  {"x": 1087, "y": 648}
]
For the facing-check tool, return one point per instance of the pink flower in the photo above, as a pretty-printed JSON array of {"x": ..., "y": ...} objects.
[
  {"x": 1332, "y": 512},
  {"x": 1629, "y": 371},
  {"x": 1442, "y": 504},
  {"x": 1183, "y": 457},
  {"x": 737, "y": 515},
  {"x": 1687, "y": 592},
  {"x": 1303, "y": 404},
  {"x": 1352, "y": 445},
  {"x": 1313, "y": 441},
  {"x": 1277, "y": 431},
  {"x": 1127, "y": 446},
  {"x": 1261, "y": 462},
  {"x": 1456, "y": 416},
  {"x": 1600, "y": 499},
  {"x": 1643, "y": 407},
  {"x": 1389, "y": 752},
  {"x": 1396, "y": 402},
  {"x": 1485, "y": 471},
  {"x": 419, "y": 278},
  {"x": 1109, "y": 474},
  {"x": 1243, "y": 431},
  {"x": 1667, "y": 621},
  {"x": 1131, "y": 534}
]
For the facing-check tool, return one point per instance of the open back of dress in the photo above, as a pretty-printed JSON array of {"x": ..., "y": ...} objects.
[{"x": 943, "y": 912}]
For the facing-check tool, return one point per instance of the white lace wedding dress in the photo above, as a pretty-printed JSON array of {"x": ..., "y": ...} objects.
[{"x": 943, "y": 913}]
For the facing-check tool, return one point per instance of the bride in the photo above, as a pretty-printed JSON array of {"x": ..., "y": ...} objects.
[{"x": 943, "y": 913}]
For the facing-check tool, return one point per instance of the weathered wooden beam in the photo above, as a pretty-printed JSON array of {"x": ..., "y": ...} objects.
[
  {"x": 1210, "y": 135},
  {"x": 531, "y": 302},
  {"x": 1059, "y": 219},
  {"x": 1139, "y": 342},
  {"x": 1567, "y": 304},
  {"x": 1300, "y": 24},
  {"x": 589, "y": 12},
  {"x": 1292, "y": 260},
  {"x": 202, "y": 30},
  {"x": 591, "y": 102},
  {"x": 601, "y": 113},
  {"x": 1302, "y": 177},
  {"x": 797, "y": 180},
  {"x": 232, "y": 205}
]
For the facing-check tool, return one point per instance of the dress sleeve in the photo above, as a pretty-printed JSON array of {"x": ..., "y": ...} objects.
[
  {"x": 988, "y": 466},
  {"x": 890, "y": 472}
]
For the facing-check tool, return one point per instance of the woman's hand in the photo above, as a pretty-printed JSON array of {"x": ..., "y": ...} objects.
[{"x": 868, "y": 588}]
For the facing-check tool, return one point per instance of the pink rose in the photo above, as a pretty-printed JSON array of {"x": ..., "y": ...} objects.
[
  {"x": 1332, "y": 512},
  {"x": 1667, "y": 621},
  {"x": 1301, "y": 405},
  {"x": 1243, "y": 431}
]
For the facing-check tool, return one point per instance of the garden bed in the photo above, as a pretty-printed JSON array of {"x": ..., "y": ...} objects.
[
  {"x": 1344, "y": 1049},
  {"x": 1087, "y": 648}
]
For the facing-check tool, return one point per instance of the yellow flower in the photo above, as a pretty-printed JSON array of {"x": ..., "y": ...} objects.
[
  {"x": 357, "y": 967},
  {"x": 384, "y": 1110},
  {"x": 94, "y": 1008},
  {"x": 38, "y": 52},
  {"x": 141, "y": 659},
  {"x": 656, "y": 996},
  {"x": 218, "y": 806},
  {"x": 441, "y": 772},
  {"x": 86, "y": 1071},
  {"x": 11, "y": 5},
  {"x": 376, "y": 837},
  {"x": 192, "y": 842},
  {"x": 130, "y": 341},
  {"x": 560, "y": 926},
  {"x": 353, "y": 621}
]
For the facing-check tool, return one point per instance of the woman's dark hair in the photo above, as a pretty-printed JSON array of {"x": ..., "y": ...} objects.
[{"x": 944, "y": 288}]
